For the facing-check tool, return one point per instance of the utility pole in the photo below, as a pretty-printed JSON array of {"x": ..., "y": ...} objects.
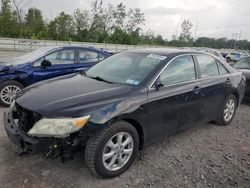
[
  {"x": 231, "y": 45},
  {"x": 239, "y": 39},
  {"x": 236, "y": 36}
]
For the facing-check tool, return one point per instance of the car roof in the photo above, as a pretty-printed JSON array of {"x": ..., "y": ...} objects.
[
  {"x": 76, "y": 46},
  {"x": 162, "y": 51}
]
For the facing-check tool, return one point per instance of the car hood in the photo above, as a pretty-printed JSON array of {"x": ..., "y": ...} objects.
[
  {"x": 3, "y": 67},
  {"x": 70, "y": 96},
  {"x": 10, "y": 68}
]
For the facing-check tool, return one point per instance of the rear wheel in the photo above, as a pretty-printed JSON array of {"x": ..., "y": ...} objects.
[
  {"x": 8, "y": 91},
  {"x": 112, "y": 150},
  {"x": 227, "y": 113}
]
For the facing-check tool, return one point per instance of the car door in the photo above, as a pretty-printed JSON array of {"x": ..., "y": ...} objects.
[
  {"x": 177, "y": 104},
  {"x": 88, "y": 58},
  {"x": 216, "y": 84},
  {"x": 62, "y": 63}
]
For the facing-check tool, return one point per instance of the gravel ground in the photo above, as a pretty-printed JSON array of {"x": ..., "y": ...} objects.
[{"x": 204, "y": 156}]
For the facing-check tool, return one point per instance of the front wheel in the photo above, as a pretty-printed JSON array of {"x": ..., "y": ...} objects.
[
  {"x": 227, "y": 113},
  {"x": 112, "y": 150},
  {"x": 8, "y": 92}
]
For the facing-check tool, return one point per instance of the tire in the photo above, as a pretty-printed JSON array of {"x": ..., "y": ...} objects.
[
  {"x": 98, "y": 144},
  {"x": 222, "y": 120},
  {"x": 14, "y": 87}
]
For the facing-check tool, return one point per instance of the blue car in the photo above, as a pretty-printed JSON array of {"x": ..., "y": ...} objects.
[{"x": 42, "y": 64}]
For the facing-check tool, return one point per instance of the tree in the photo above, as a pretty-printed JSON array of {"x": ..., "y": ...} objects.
[
  {"x": 101, "y": 22},
  {"x": 19, "y": 6},
  {"x": 135, "y": 19},
  {"x": 62, "y": 27},
  {"x": 119, "y": 16},
  {"x": 185, "y": 35},
  {"x": 159, "y": 40},
  {"x": 8, "y": 20},
  {"x": 34, "y": 23},
  {"x": 81, "y": 20}
]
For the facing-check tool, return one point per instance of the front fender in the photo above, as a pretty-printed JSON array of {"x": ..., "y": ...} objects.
[
  {"x": 6, "y": 77},
  {"x": 129, "y": 107}
]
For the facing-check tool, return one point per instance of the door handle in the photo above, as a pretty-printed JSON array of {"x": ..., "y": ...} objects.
[
  {"x": 196, "y": 89},
  {"x": 228, "y": 81}
]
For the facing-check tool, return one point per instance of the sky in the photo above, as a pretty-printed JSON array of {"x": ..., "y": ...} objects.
[{"x": 210, "y": 18}]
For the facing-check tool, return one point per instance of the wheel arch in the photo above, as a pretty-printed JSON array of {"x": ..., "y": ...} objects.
[
  {"x": 136, "y": 124},
  {"x": 139, "y": 130},
  {"x": 17, "y": 79},
  {"x": 236, "y": 94}
]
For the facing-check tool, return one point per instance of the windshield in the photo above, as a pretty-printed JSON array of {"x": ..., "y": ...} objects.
[
  {"x": 244, "y": 63},
  {"x": 125, "y": 68},
  {"x": 31, "y": 56}
]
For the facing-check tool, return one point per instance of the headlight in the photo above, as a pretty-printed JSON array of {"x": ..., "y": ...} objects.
[{"x": 59, "y": 128}]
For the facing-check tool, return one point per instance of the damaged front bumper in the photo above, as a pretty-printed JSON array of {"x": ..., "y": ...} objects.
[{"x": 52, "y": 147}]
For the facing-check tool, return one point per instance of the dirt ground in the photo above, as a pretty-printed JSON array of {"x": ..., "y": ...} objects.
[{"x": 205, "y": 156}]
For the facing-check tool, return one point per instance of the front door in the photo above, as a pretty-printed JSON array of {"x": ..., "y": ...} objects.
[
  {"x": 62, "y": 63},
  {"x": 177, "y": 104}
]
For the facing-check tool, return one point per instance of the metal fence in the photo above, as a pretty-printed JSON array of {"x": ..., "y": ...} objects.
[{"x": 30, "y": 44}]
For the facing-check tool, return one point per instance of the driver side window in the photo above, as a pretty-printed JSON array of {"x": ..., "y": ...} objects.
[{"x": 179, "y": 70}]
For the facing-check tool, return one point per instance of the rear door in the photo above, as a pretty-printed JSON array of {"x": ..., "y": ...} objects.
[
  {"x": 176, "y": 105},
  {"x": 63, "y": 62},
  {"x": 87, "y": 58},
  {"x": 216, "y": 84}
]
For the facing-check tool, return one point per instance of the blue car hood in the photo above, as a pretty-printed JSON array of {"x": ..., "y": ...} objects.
[{"x": 10, "y": 68}]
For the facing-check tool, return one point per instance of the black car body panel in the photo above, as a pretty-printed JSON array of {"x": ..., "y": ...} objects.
[
  {"x": 246, "y": 73},
  {"x": 243, "y": 65},
  {"x": 155, "y": 112}
]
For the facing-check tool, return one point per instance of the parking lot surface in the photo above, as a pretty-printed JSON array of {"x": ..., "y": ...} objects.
[{"x": 205, "y": 156}]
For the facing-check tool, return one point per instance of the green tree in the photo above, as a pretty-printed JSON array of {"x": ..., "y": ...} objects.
[
  {"x": 8, "y": 20},
  {"x": 62, "y": 27},
  {"x": 133, "y": 27},
  {"x": 119, "y": 16},
  {"x": 101, "y": 22},
  {"x": 186, "y": 35},
  {"x": 81, "y": 20},
  {"x": 34, "y": 23}
]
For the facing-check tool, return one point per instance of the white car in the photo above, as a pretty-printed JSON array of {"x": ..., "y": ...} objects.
[{"x": 235, "y": 56}]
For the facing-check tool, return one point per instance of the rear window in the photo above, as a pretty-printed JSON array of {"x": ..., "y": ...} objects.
[{"x": 208, "y": 66}]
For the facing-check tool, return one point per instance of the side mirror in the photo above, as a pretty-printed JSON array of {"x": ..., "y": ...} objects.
[
  {"x": 45, "y": 63},
  {"x": 158, "y": 85}
]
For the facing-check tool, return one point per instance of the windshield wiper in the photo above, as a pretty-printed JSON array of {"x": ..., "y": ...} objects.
[{"x": 100, "y": 79}]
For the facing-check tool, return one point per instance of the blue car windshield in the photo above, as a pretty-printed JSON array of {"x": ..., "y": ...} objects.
[
  {"x": 127, "y": 68},
  {"x": 29, "y": 57}
]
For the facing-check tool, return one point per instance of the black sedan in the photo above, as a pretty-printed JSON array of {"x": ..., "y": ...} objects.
[
  {"x": 244, "y": 66},
  {"x": 123, "y": 104}
]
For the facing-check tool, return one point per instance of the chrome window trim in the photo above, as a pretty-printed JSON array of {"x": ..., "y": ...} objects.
[
  {"x": 152, "y": 83},
  {"x": 197, "y": 79}
]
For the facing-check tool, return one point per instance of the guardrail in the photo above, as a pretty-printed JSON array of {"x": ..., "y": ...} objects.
[{"x": 31, "y": 44}]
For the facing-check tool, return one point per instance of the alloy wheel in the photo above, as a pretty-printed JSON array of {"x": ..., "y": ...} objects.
[
  {"x": 9, "y": 93},
  {"x": 229, "y": 110},
  {"x": 118, "y": 151}
]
